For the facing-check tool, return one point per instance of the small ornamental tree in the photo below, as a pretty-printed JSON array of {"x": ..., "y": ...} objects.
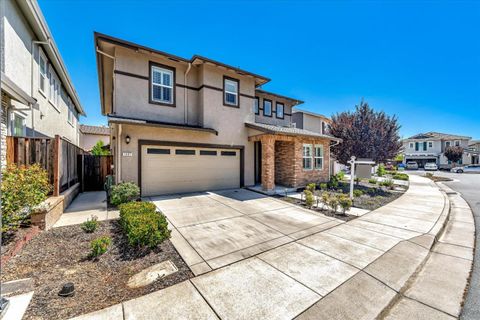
[
  {"x": 99, "y": 149},
  {"x": 453, "y": 154},
  {"x": 365, "y": 133}
]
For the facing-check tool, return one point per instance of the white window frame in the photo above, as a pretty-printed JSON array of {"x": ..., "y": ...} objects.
[
  {"x": 306, "y": 156},
  {"x": 162, "y": 85},
  {"x": 235, "y": 83},
  {"x": 46, "y": 82},
  {"x": 315, "y": 156},
  {"x": 24, "y": 127},
  {"x": 54, "y": 88},
  {"x": 70, "y": 115}
]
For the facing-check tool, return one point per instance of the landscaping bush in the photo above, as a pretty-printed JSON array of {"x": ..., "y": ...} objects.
[
  {"x": 90, "y": 225},
  {"x": 381, "y": 170},
  {"x": 333, "y": 203},
  {"x": 142, "y": 225},
  {"x": 311, "y": 187},
  {"x": 325, "y": 198},
  {"x": 333, "y": 183},
  {"x": 323, "y": 186},
  {"x": 372, "y": 181},
  {"x": 340, "y": 176},
  {"x": 345, "y": 203},
  {"x": 124, "y": 192},
  {"x": 387, "y": 183},
  {"x": 401, "y": 176},
  {"x": 357, "y": 193},
  {"x": 99, "y": 246},
  {"x": 309, "y": 199},
  {"x": 357, "y": 181},
  {"x": 22, "y": 189}
]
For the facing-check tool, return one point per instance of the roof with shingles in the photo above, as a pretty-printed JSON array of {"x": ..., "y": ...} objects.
[
  {"x": 439, "y": 135},
  {"x": 98, "y": 130},
  {"x": 291, "y": 131}
]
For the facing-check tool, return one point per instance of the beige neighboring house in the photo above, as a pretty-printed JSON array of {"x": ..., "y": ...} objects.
[
  {"x": 90, "y": 135},
  {"x": 430, "y": 147},
  {"x": 312, "y": 121},
  {"x": 184, "y": 125},
  {"x": 474, "y": 150},
  {"x": 38, "y": 97}
]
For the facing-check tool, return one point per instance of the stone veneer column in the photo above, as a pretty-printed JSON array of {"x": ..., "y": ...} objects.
[{"x": 268, "y": 162}]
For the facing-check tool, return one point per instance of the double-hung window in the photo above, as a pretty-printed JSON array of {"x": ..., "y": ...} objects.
[
  {"x": 230, "y": 92},
  {"x": 161, "y": 85},
  {"x": 280, "y": 110},
  {"x": 430, "y": 144},
  {"x": 18, "y": 125},
  {"x": 70, "y": 111},
  {"x": 54, "y": 88},
  {"x": 42, "y": 61},
  {"x": 256, "y": 103},
  {"x": 267, "y": 107},
  {"x": 318, "y": 156},
  {"x": 307, "y": 156}
]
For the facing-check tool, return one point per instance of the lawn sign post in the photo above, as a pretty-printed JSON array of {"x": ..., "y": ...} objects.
[{"x": 352, "y": 175}]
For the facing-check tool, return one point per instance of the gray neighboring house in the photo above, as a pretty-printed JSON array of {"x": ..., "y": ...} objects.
[
  {"x": 38, "y": 97},
  {"x": 311, "y": 121},
  {"x": 430, "y": 146}
]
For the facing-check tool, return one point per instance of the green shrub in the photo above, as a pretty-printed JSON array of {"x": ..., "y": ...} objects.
[
  {"x": 22, "y": 189},
  {"x": 371, "y": 191},
  {"x": 357, "y": 193},
  {"x": 357, "y": 180},
  {"x": 323, "y": 186},
  {"x": 325, "y": 198},
  {"x": 381, "y": 170},
  {"x": 90, "y": 225},
  {"x": 333, "y": 182},
  {"x": 311, "y": 187},
  {"x": 340, "y": 176},
  {"x": 99, "y": 246},
  {"x": 401, "y": 176},
  {"x": 333, "y": 203},
  {"x": 387, "y": 183},
  {"x": 345, "y": 203},
  {"x": 309, "y": 199},
  {"x": 372, "y": 181},
  {"x": 142, "y": 225},
  {"x": 124, "y": 192}
]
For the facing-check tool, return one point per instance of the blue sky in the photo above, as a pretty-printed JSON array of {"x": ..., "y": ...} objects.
[{"x": 418, "y": 60}]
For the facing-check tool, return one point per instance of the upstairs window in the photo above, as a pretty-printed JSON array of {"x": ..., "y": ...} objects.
[
  {"x": 430, "y": 144},
  {"x": 256, "y": 104},
  {"x": 70, "y": 111},
  {"x": 267, "y": 107},
  {"x": 457, "y": 143},
  {"x": 280, "y": 110},
  {"x": 307, "y": 156},
  {"x": 447, "y": 144},
  {"x": 318, "y": 156},
  {"x": 230, "y": 92},
  {"x": 411, "y": 145},
  {"x": 42, "y": 61},
  {"x": 161, "y": 85},
  {"x": 54, "y": 88}
]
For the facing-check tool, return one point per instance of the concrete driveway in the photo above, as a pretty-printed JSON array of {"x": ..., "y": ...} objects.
[{"x": 214, "y": 229}]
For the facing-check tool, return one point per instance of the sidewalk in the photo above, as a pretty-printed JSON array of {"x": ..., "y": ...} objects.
[
  {"x": 86, "y": 205},
  {"x": 355, "y": 270}
]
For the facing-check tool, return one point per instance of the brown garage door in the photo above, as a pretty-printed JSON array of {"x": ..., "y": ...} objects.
[{"x": 171, "y": 169}]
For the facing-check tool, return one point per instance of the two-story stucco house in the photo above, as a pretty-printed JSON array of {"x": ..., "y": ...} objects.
[
  {"x": 38, "y": 97},
  {"x": 474, "y": 151},
  {"x": 430, "y": 147},
  {"x": 183, "y": 125}
]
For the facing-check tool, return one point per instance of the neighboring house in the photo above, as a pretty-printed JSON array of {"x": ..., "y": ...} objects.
[
  {"x": 182, "y": 125},
  {"x": 430, "y": 147},
  {"x": 474, "y": 151},
  {"x": 310, "y": 121},
  {"x": 90, "y": 135},
  {"x": 38, "y": 97}
]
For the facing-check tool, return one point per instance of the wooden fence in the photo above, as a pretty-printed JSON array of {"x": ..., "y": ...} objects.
[{"x": 58, "y": 156}]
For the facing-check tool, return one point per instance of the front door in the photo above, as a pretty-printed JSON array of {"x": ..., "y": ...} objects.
[{"x": 258, "y": 162}]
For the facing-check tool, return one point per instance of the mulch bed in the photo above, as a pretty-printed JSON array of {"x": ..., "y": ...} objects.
[{"x": 60, "y": 255}]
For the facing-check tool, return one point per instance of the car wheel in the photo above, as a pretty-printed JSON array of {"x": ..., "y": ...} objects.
[{"x": 460, "y": 171}]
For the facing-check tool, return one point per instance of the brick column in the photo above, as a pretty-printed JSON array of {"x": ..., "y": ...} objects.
[{"x": 268, "y": 163}]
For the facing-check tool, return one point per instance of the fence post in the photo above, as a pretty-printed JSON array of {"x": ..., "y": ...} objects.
[
  {"x": 56, "y": 166},
  {"x": 10, "y": 150}
]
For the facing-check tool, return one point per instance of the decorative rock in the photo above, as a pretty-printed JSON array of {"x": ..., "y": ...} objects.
[{"x": 152, "y": 274}]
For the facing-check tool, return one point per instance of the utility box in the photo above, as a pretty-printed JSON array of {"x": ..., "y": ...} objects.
[{"x": 363, "y": 168}]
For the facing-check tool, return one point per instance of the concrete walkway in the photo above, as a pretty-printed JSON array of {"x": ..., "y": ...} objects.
[
  {"x": 86, "y": 205},
  {"x": 377, "y": 266}
]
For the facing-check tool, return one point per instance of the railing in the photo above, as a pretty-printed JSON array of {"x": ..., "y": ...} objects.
[{"x": 57, "y": 156}]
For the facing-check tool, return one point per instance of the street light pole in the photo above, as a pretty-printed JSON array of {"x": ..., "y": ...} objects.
[{"x": 352, "y": 175}]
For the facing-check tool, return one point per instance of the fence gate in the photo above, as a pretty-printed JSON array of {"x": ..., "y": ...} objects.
[{"x": 95, "y": 170}]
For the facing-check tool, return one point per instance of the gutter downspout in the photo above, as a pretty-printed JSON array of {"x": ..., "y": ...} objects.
[
  {"x": 32, "y": 47},
  {"x": 185, "y": 92},
  {"x": 119, "y": 156}
]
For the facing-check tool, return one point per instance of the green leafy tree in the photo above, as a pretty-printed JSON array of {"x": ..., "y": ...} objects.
[
  {"x": 366, "y": 133},
  {"x": 454, "y": 154},
  {"x": 99, "y": 149}
]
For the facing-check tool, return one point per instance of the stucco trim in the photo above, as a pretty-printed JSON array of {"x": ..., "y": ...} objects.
[{"x": 142, "y": 143}]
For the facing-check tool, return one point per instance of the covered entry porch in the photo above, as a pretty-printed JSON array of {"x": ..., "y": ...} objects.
[{"x": 290, "y": 157}]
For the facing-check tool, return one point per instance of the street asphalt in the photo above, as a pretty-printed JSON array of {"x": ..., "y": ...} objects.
[{"x": 469, "y": 187}]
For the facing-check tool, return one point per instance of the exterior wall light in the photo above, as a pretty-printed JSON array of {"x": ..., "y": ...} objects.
[{"x": 127, "y": 139}]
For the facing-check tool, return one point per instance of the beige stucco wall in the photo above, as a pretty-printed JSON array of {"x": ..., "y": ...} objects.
[
  {"x": 129, "y": 164},
  {"x": 312, "y": 123},
  {"x": 17, "y": 47},
  {"x": 87, "y": 141}
]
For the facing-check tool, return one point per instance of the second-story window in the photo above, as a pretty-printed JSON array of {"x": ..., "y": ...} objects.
[
  {"x": 280, "y": 110},
  {"x": 42, "y": 61},
  {"x": 256, "y": 105},
  {"x": 162, "y": 81},
  {"x": 230, "y": 92},
  {"x": 267, "y": 107}
]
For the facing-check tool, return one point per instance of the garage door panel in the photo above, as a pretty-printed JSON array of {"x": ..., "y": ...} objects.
[{"x": 164, "y": 173}]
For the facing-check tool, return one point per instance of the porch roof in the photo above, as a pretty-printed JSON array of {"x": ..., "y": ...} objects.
[{"x": 288, "y": 131}]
